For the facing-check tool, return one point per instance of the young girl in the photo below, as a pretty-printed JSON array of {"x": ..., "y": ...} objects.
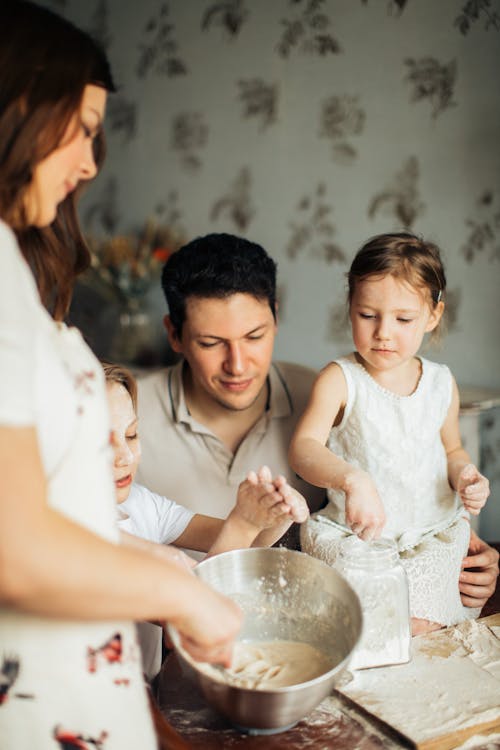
[
  {"x": 264, "y": 510},
  {"x": 381, "y": 432}
]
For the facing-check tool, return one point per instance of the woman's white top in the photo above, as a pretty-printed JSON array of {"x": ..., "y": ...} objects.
[
  {"x": 62, "y": 682},
  {"x": 397, "y": 440}
]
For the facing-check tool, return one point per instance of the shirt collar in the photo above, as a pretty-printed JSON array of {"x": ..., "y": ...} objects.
[{"x": 280, "y": 402}]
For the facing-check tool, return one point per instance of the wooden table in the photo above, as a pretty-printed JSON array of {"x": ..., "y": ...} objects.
[{"x": 184, "y": 720}]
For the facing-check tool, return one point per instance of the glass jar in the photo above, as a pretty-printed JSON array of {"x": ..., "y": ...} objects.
[{"x": 375, "y": 573}]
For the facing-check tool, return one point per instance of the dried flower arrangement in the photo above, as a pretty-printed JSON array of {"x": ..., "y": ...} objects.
[{"x": 124, "y": 267}]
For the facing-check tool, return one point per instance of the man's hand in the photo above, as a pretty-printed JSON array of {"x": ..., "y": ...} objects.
[{"x": 479, "y": 573}]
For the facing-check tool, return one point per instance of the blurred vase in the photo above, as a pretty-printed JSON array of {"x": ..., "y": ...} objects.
[
  {"x": 133, "y": 341},
  {"x": 128, "y": 332}
]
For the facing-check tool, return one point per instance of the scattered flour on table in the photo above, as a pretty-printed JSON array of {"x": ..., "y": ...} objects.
[{"x": 456, "y": 672}]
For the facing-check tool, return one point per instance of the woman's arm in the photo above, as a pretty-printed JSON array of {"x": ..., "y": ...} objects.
[
  {"x": 54, "y": 567},
  {"x": 163, "y": 551}
]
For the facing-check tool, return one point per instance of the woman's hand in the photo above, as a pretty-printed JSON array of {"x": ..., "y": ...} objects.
[
  {"x": 208, "y": 633},
  {"x": 364, "y": 509}
]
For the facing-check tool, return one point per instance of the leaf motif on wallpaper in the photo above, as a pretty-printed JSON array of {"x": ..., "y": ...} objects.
[
  {"x": 484, "y": 229},
  {"x": 121, "y": 116},
  {"x": 159, "y": 52},
  {"x": 433, "y": 81},
  {"x": 229, "y": 15},
  {"x": 104, "y": 210},
  {"x": 342, "y": 117},
  {"x": 313, "y": 231},
  {"x": 189, "y": 136},
  {"x": 170, "y": 215},
  {"x": 339, "y": 328},
  {"x": 401, "y": 197},
  {"x": 259, "y": 100},
  {"x": 308, "y": 30},
  {"x": 236, "y": 204},
  {"x": 471, "y": 12},
  {"x": 397, "y": 5},
  {"x": 99, "y": 25}
]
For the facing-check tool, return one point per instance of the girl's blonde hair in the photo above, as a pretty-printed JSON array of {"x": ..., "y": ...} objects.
[
  {"x": 404, "y": 256},
  {"x": 121, "y": 376}
]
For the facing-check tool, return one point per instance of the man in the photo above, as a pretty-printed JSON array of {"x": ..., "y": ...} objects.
[{"x": 226, "y": 408}]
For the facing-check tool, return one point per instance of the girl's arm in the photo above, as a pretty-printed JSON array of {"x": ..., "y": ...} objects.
[
  {"x": 463, "y": 476},
  {"x": 53, "y": 567},
  {"x": 314, "y": 462},
  {"x": 308, "y": 454}
]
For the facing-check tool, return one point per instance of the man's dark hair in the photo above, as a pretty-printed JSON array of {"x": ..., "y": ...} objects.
[{"x": 217, "y": 265}]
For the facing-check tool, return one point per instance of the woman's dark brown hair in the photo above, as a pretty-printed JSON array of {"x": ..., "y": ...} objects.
[{"x": 45, "y": 64}]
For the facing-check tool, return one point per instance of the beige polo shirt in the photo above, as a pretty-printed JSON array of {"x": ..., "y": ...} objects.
[{"x": 186, "y": 462}]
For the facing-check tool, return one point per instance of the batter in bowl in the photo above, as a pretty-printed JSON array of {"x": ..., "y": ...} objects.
[{"x": 267, "y": 665}]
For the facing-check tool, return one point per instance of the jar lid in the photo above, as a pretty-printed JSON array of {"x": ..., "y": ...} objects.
[{"x": 377, "y": 552}]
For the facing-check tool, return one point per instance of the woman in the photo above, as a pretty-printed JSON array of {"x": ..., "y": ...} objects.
[{"x": 70, "y": 669}]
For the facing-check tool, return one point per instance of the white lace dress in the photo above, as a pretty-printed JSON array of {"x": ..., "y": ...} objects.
[
  {"x": 63, "y": 684},
  {"x": 396, "y": 439}
]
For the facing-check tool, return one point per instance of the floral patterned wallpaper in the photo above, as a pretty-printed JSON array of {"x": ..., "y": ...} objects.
[{"x": 308, "y": 126}]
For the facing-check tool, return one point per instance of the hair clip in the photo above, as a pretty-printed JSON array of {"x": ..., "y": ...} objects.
[{"x": 438, "y": 296}]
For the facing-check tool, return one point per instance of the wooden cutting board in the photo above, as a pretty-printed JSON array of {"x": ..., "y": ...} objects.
[{"x": 448, "y": 692}]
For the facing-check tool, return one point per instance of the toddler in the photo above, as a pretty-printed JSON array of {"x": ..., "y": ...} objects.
[{"x": 381, "y": 432}]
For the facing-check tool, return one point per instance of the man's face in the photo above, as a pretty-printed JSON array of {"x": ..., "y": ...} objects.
[{"x": 228, "y": 344}]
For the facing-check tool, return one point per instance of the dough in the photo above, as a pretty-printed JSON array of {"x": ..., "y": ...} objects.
[{"x": 267, "y": 665}]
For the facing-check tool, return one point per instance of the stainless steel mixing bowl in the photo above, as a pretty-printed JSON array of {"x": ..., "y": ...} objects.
[{"x": 285, "y": 595}]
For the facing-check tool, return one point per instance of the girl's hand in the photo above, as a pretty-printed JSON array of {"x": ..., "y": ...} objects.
[
  {"x": 297, "y": 506},
  {"x": 263, "y": 501},
  {"x": 473, "y": 488},
  {"x": 365, "y": 513}
]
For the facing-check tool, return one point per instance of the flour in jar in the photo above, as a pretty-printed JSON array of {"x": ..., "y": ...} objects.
[{"x": 266, "y": 665}]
